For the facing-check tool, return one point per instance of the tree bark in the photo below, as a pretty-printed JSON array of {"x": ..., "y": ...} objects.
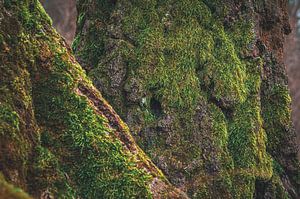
[
  {"x": 203, "y": 88},
  {"x": 58, "y": 137}
]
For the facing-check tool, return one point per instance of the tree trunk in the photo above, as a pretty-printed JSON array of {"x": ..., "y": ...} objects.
[
  {"x": 58, "y": 137},
  {"x": 202, "y": 86}
]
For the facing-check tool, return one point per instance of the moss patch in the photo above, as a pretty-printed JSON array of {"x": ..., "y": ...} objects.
[
  {"x": 199, "y": 62},
  {"x": 74, "y": 151}
]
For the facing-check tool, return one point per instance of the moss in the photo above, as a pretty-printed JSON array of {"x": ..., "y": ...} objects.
[
  {"x": 209, "y": 129},
  {"x": 249, "y": 133},
  {"x": 198, "y": 60},
  {"x": 10, "y": 131},
  {"x": 78, "y": 153},
  {"x": 244, "y": 186},
  {"x": 274, "y": 187},
  {"x": 277, "y": 114},
  {"x": 14, "y": 146},
  {"x": 8, "y": 191},
  {"x": 277, "y": 122},
  {"x": 49, "y": 175},
  {"x": 9, "y": 125},
  {"x": 7, "y": 3},
  {"x": 102, "y": 163},
  {"x": 29, "y": 12}
]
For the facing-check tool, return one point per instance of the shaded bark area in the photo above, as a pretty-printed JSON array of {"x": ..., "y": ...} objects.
[
  {"x": 202, "y": 86},
  {"x": 58, "y": 136}
]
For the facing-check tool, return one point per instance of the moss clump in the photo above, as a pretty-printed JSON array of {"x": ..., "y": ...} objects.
[
  {"x": 274, "y": 187},
  {"x": 277, "y": 114},
  {"x": 14, "y": 147},
  {"x": 101, "y": 164},
  {"x": 253, "y": 157},
  {"x": 49, "y": 175},
  {"x": 29, "y": 11}
]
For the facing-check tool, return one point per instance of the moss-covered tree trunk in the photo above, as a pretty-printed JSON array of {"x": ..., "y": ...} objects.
[
  {"x": 58, "y": 137},
  {"x": 202, "y": 86}
]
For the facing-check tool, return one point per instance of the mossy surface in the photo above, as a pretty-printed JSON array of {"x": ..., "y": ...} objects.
[
  {"x": 102, "y": 169},
  {"x": 55, "y": 139},
  {"x": 188, "y": 77}
]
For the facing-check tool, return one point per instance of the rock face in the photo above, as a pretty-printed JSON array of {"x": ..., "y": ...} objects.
[
  {"x": 58, "y": 137},
  {"x": 203, "y": 88}
]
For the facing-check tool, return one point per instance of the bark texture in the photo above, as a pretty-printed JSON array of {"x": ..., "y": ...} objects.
[
  {"x": 58, "y": 137},
  {"x": 203, "y": 88}
]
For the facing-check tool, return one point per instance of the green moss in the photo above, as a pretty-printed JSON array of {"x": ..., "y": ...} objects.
[
  {"x": 192, "y": 62},
  {"x": 103, "y": 167},
  {"x": 77, "y": 153},
  {"x": 49, "y": 176},
  {"x": 277, "y": 122},
  {"x": 9, "y": 122},
  {"x": 249, "y": 132},
  {"x": 244, "y": 186},
  {"x": 29, "y": 12},
  {"x": 13, "y": 142},
  {"x": 275, "y": 186},
  {"x": 101, "y": 164},
  {"x": 277, "y": 114},
  {"x": 7, "y": 3},
  {"x": 277, "y": 168}
]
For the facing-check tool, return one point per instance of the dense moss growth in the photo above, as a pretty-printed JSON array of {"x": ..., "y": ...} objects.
[
  {"x": 59, "y": 137},
  {"x": 199, "y": 82},
  {"x": 102, "y": 168},
  {"x": 189, "y": 77}
]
